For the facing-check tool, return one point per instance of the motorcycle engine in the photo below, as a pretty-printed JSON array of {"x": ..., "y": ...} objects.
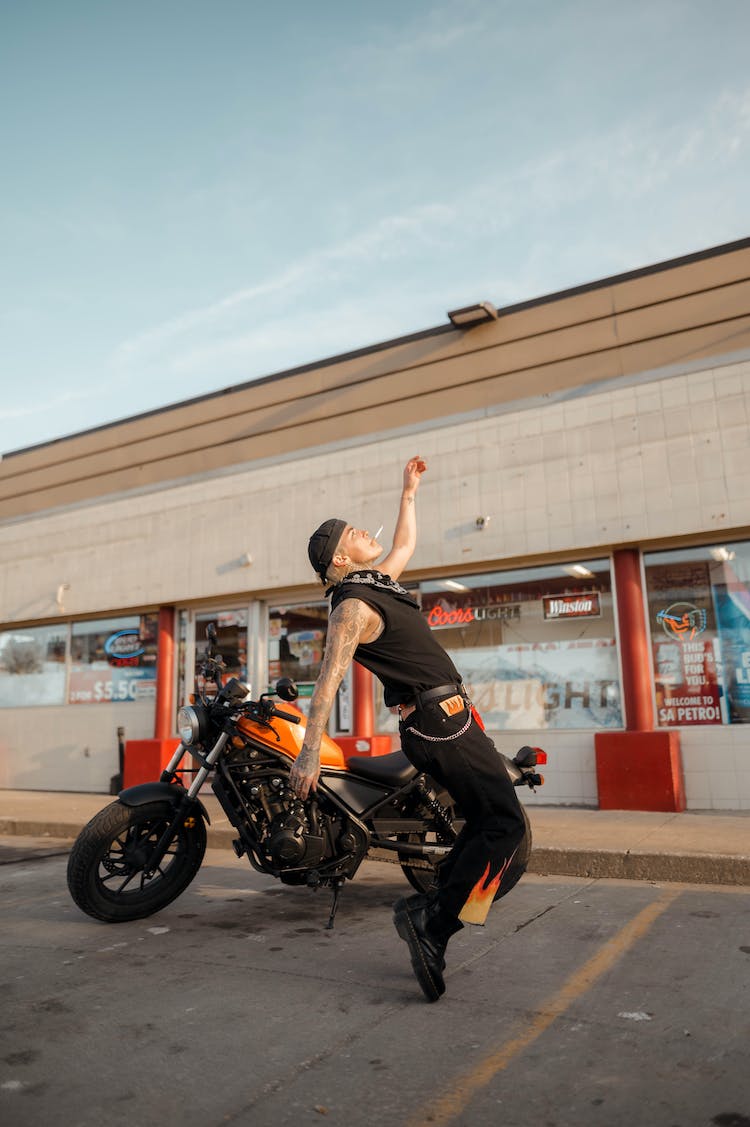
[
  {"x": 290, "y": 841},
  {"x": 292, "y": 837}
]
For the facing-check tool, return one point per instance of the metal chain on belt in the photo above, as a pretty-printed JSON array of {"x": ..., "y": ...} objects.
[{"x": 443, "y": 739}]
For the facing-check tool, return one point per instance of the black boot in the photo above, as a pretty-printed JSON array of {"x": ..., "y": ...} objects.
[{"x": 426, "y": 929}]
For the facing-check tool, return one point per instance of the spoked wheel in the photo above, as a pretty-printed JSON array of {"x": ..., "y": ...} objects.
[
  {"x": 422, "y": 873},
  {"x": 106, "y": 867}
]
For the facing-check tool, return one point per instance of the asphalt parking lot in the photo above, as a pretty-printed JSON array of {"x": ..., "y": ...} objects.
[{"x": 582, "y": 1002}]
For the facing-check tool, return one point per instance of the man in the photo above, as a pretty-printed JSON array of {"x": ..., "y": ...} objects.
[{"x": 376, "y": 622}]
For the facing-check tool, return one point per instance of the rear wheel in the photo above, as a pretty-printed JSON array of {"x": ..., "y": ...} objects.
[
  {"x": 518, "y": 865},
  {"x": 421, "y": 873},
  {"x": 106, "y": 874}
]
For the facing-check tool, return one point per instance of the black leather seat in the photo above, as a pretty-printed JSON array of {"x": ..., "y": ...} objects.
[{"x": 394, "y": 769}]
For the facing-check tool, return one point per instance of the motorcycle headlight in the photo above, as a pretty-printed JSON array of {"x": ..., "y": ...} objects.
[{"x": 188, "y": 725}]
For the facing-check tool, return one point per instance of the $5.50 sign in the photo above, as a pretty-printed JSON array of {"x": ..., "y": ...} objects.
[{"x": 101, "y": 686}]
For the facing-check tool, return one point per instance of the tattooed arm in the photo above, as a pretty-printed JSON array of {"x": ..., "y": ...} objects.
[
  {"x": 405, "y": 535},
  {"x": 350, "y": 623}
]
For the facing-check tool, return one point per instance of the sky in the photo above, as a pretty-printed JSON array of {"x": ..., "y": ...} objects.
[{"x": 197, "y": 193}]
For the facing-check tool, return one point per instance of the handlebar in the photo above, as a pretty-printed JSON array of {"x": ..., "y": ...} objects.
[
  {"x": 262, "y": 710},
  {"x": 292, "y": 717}
]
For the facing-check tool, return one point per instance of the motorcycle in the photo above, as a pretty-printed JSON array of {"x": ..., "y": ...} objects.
[{"x": 142, "y": 851}]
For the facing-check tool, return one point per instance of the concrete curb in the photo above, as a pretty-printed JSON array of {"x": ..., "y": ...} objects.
[
  {"x": 680, "y": 868},
  {"x": 68, "y": 831},
  {"x": 19, "y": 827}
]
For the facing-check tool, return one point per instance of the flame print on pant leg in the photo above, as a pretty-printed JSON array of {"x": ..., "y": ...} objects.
[{"x": 479, "y": 900}]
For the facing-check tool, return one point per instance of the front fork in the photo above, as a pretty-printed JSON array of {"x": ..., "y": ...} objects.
[{"x": 188, "y": 799}]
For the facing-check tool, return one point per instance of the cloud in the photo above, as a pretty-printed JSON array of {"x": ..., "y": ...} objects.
[
  {"x": 606, "y": 203},
  {"x": 390, "y": 238},
  {"x": 45, "y": 418},
  {"x": 40, "y": 407},
  {"x": 268, "y": 347},
  {"x": 141, "y": 344},
  {"x": 417, "y": 37}
]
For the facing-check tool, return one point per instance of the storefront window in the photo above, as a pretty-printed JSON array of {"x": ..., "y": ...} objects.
[
  {"x": 113, "y": 659},
  {"x": 699, "y": 614},
  {"x": 32, "y": 666},
  {"x": 231, "y": 641},
  {"x": 536, "y": 647},
  {"x": 296, "y": 641}
]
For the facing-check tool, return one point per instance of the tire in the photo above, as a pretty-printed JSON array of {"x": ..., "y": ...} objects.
[
  {"x": 422, "y": 875},
  {"x": 520, "y": 861},
  {"x": 105, "y": 867}
]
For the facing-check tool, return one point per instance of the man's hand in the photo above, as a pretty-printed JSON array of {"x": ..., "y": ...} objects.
[
  {"x": 305, "y": 772},
  {"x": 413, "y": 471}
]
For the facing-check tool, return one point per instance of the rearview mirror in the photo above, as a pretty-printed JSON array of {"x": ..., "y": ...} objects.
[{"x": 286, "y": 689}]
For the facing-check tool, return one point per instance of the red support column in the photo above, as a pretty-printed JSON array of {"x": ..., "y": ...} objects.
[
  {"x": 640, "y": 768},
  {"x": 634, "y": 643},
  {"x": 363, "y": 741},
  {"x": 164, "y": 718},
  {"x": 364, "y": 705},
  {"x": 146, "y": 759}
]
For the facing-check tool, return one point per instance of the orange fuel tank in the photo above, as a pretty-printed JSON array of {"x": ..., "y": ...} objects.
[{"x": 290, "y": 739}]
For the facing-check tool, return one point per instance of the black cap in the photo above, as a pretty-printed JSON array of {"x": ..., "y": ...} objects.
[{"x": 323, "y": 544}]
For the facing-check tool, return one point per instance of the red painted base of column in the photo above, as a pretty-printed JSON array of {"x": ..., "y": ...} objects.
[
  {"x": 639, "y": 771},
  {"x": 365, "y": 745},
  {"x": 146, "y": 759}
]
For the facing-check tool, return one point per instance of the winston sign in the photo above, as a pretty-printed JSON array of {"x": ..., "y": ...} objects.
[{"x": 572, "y": 606}]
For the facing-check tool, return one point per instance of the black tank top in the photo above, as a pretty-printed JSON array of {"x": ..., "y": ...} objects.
[{"x": 406, "y": 658}]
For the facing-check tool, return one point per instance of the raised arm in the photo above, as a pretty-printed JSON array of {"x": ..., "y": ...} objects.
[
  {"x": 405, "y": 534},
  {"x": 350, "y": 623}
]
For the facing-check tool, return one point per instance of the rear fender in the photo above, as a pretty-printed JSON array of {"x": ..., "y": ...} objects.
[{"x": 158, "y": 792}]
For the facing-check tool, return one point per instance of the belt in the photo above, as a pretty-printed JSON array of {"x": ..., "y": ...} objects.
[{"x": 419, "y": 700}]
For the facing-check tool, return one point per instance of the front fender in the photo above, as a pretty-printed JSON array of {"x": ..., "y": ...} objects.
[{"x": 158, "y": 792}]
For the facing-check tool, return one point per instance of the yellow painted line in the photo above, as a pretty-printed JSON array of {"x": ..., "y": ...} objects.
[{"x": 453, "y": 1102}]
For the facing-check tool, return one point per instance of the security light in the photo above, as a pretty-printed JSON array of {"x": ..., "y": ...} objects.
[{"x": 472, "y": 315}]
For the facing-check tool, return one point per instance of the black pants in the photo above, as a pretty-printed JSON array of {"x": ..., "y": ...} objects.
[{"x": 457, "y": 754}]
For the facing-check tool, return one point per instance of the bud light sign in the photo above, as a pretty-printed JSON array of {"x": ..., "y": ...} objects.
[
  {"x": 113, "y": 660},
  {"x": 124, "y": 644}
]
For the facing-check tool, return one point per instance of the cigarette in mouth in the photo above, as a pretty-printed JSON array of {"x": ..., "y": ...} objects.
[{"x": 377, "y": 534}]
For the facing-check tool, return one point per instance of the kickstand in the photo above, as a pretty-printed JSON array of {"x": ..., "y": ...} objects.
[{"x": 338, "y": 884}]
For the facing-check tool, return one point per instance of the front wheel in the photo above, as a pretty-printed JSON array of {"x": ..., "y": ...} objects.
[
  {"x": 106, "y": 875},
  {"x": 422, "y": 873}
]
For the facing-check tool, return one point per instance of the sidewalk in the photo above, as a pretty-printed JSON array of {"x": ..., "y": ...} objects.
[{"x": 695, "y": 848}]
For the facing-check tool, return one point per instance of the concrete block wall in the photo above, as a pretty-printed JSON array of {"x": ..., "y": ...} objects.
[
  {"x": 643, "y": 459},
  {"x": 716, "y": 762},
  {"x": 668, "y": 457},
  {"x": 570, "y": 775},
  {"x": 68, "y": 748}
]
